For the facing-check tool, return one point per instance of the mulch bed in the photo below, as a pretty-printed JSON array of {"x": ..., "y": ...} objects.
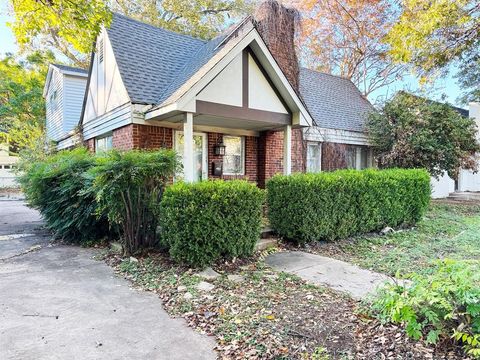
[{"x": 268, "y": 315}]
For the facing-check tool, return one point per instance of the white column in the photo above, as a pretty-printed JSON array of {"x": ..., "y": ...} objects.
[
  {"x": 188, "y": 148},
  {"x": 287, "y": 150}
]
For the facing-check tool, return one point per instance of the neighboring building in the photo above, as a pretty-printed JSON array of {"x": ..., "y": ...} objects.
[
  {"x": 467, "y": 179},
  {"x": 238, "y": 106},
  {"x": 7, "y": 165},
  {"x": 63, "y": 92}
]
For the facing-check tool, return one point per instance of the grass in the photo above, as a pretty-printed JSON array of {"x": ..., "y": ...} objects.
[{"x": 449, "y": 230}]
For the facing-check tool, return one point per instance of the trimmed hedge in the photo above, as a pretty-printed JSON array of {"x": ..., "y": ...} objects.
[
  {"x": 332, "y": 205},
  {"x": 58, "y": 188},
  {"x": 206, "y": 221}
]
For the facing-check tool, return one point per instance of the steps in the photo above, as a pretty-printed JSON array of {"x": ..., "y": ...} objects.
[{"x": 267, "y": 240}]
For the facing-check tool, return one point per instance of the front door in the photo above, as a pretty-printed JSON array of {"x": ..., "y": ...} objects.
[{"x": 199, "y": 154}]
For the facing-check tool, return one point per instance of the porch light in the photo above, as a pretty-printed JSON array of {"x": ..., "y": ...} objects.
[{"x": 220, "y": 148}]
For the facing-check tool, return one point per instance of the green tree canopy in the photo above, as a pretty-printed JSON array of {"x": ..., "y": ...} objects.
[
  {"x": 22, "y": 107},
  {"x": 69, "y": 27},
  {"x": 413, "y": 132},
  {"x": 432, "y": 34}
]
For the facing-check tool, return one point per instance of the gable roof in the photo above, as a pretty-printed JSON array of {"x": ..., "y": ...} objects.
[
  {"x": 154, "y": 62},
  {"x": 70, "y": 69},
  {"x": 334, "y": 102},
  {"x": 63, "y": 69}
]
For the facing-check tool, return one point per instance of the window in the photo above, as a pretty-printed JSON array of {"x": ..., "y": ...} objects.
[
  {"x": 234, "y": 159},
  {"x": 351, "y": 157},
  {"x": 53, "y": 101},
  {"x": 357, "y": 157},
  {"x": 104, "y": 143},
  {"x": 314, "y": 157}
]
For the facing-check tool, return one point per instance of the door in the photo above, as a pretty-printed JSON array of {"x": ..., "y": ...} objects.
[{"x": 199, "y": 154}]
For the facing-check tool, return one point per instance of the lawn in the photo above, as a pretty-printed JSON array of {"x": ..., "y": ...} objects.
[{"x": 449, "y": 230}]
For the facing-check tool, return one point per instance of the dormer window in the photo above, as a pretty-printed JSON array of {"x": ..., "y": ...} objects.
[{"x": 100, "y": 50}]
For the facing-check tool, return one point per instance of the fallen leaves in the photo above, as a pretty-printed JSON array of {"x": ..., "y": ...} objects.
[{"x": 272, "y": 315}]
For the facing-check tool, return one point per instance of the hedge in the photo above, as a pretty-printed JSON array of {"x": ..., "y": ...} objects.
[
  {"x": 332, "y": 205},
  {"x": 206, "y": 221},
  {"x": 58, "y": 188}
]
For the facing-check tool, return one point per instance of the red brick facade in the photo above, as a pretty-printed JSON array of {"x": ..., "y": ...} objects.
[
  {"x": 137, "y": 136},
  {"x": 263, "y": 154}
]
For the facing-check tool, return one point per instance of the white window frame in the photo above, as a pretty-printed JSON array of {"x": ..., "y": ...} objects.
[
  {"x": 103, "y": 138},
  {"x": 319, "y": 145},
  {"x": 242, "y": 151},
  {"x": 204, "y": 151}
]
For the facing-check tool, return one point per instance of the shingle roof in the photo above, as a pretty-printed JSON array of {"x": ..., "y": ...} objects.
[
  {"x": 154, "y": 62},
  {"x": 333, "y": 102},
  {"x": 71, "y": 69}
]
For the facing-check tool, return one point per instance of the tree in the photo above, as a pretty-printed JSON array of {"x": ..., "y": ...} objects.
[
  {"x": 413, "y": 132},
  {"x": 199, "y": 18},
  {"x": 22, "y": 107},
  {"x": 343, "y": 37},
  {"x": 433, "y": 34},
  {"x": 69, "y": 27}
]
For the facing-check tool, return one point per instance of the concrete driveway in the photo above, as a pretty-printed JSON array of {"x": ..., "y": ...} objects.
[{"x": 56, "y": 302}]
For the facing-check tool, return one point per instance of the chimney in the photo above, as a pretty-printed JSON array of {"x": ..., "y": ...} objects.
[{"x": 276, "y": 24}]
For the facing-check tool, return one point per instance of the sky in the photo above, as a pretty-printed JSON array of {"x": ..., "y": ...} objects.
[{"x": 445, "y": 86}]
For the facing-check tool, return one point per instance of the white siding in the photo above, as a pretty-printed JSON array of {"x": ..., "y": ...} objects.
[
  {"x": 106, "y": 91},
  {"x": 54, "y": 114},
  {"x": 226, "y": 88},
  {"x": 261, "y": 95},
  {"x": 114, "y": 119},
  {"x": 74, "y": 92}
]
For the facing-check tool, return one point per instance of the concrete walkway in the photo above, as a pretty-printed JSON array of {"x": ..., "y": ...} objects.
[
  {"x": 57, "y": 302},
  {"x": 322, "y": 270}
]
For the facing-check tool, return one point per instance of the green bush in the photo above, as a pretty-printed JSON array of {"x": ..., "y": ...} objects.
[
  {"x": 439, "y": 306},
  {"x": 128, "y": 188},
  {"x": 209, "y": 220},
  {"x": 331, "y": 205},
  {"x": 55, "y": 186}
]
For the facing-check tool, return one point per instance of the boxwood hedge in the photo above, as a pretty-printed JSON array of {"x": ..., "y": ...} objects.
[
  {"x": 331, "y": 205},
  {"x": 205, "y": 221}
]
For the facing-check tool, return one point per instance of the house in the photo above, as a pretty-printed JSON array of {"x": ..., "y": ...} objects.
[
  {"x": 237, "y": 106},
  {"x": 7, "y": 165},
  {"x": 64, "y": 91},
  {"x": 467, "y": 179}
]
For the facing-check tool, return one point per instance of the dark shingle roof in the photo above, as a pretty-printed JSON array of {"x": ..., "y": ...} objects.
[
  {"x": 71, "y": 69},
  {"x": 154, "y": 62},
  {"x": 333, "y": 102}
]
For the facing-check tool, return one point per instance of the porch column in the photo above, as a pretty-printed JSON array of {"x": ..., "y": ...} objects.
[
  {"x": 188, "y": 148},
  {"x": 287, "y": 150}
]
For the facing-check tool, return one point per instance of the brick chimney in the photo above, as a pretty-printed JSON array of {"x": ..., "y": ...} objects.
[{"x": 276, "y": 24}]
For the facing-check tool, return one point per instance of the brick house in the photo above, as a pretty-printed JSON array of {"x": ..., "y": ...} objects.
[{"x": 237, "y": 106}]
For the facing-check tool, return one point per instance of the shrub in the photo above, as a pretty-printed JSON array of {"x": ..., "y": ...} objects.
[
  {"x": 128, "y": 187},
  {"x": 55, "y": 187},
  {"x": 331, "y": 205},
  {"x": 205, "y": 221},
  {"x": 442, "y": 305}
]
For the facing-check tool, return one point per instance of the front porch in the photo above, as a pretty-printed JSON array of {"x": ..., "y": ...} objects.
[{"x": 233, "y": 149}]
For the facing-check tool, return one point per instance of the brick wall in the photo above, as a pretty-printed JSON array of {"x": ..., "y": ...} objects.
[
  {"x": 251, "y": 147},
  {"x": 136, "y": 136},
  {"x": 270, "y": 154}
]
